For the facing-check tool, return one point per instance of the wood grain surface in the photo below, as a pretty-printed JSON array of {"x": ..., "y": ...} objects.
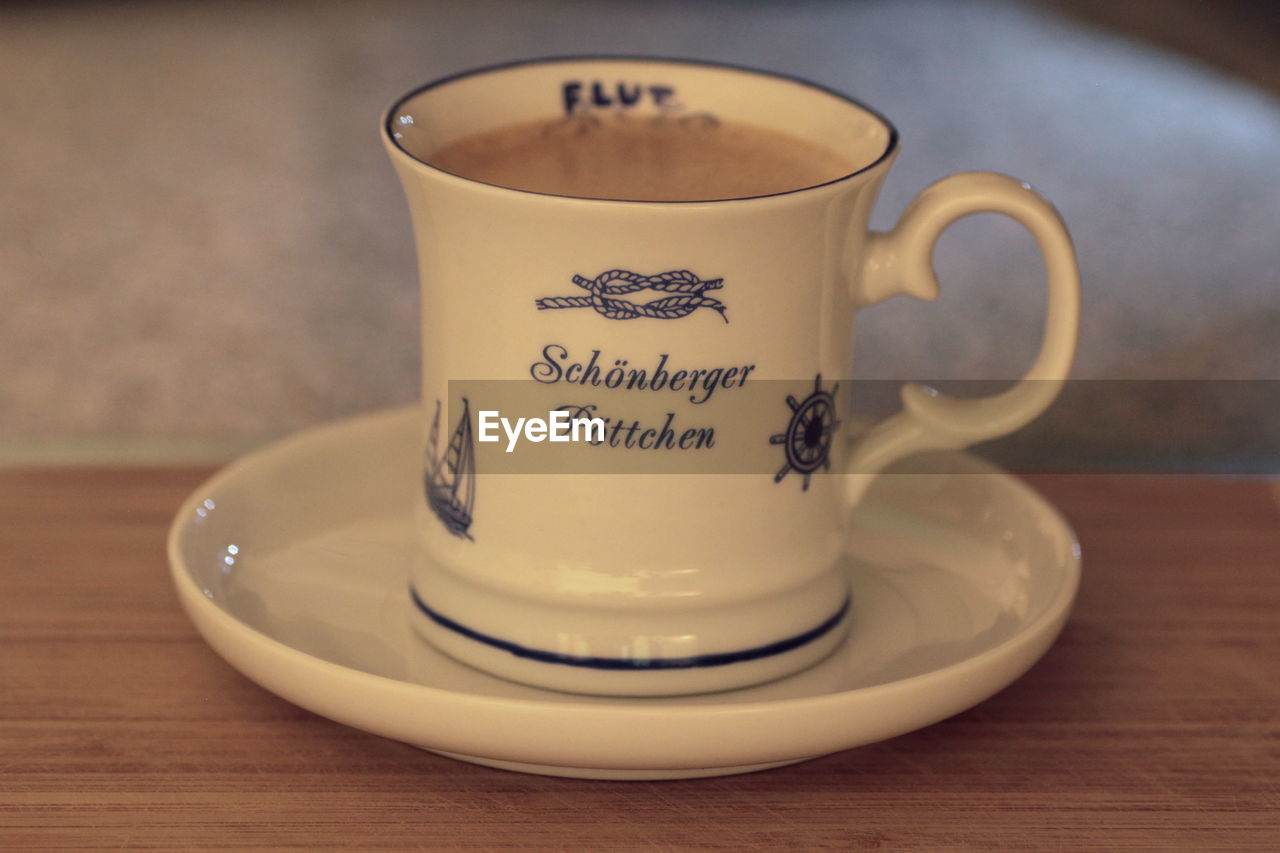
[{"x": 1153, "y": 724}]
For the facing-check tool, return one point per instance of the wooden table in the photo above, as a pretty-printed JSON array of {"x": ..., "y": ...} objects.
[{"x": 1154, "y": 723}]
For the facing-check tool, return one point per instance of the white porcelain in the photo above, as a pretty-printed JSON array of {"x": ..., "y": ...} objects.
[
  {"x": 294, "y": 563},
  {"x": 646, "y": 585}
]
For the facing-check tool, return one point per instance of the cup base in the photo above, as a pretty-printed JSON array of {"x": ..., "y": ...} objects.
[{"x": 632, "y": 676}]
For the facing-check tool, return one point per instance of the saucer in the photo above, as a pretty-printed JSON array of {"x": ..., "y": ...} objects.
[{"x": 293, "y": 564}]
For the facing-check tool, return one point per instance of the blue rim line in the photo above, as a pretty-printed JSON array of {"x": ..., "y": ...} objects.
[
  {"x": 588, "y": 662},
  {"x": 891, "y": 144}
]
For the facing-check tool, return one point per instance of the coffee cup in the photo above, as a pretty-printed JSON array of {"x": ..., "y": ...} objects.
[{"x": 666, "y": 235}]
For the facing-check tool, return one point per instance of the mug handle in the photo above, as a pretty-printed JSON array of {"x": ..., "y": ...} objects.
[{"x": 900, "y": 261}]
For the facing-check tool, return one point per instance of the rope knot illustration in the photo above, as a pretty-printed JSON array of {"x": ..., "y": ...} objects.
[{"x": 686, "y": 289}]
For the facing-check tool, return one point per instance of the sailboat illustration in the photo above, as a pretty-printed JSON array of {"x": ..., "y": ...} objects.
[{"x": 450, "y": 481}]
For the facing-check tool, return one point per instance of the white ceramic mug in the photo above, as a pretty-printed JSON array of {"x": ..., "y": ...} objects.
[{"x": 663, "y": 584}]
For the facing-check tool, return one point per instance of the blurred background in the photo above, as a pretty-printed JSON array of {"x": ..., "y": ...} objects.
[{"x": 202, "y": 246}]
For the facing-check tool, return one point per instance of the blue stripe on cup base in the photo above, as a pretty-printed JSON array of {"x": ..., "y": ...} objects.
[{"x": 638, "y": 664}]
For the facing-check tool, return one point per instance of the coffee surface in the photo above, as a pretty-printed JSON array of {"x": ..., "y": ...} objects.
[{"x": 642, "y": 158}]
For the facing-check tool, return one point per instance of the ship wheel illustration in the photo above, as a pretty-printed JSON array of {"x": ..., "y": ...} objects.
[{"x": 807, "y": 441}]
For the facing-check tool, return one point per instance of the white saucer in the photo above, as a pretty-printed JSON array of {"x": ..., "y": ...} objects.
[{"x": 292, "y": 562}]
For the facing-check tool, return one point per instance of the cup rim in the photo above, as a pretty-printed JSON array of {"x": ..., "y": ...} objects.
[{"x": 389, "y": 137}]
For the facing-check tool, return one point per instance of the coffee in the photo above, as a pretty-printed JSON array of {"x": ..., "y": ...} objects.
[{"x": 642, "y": 159}]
